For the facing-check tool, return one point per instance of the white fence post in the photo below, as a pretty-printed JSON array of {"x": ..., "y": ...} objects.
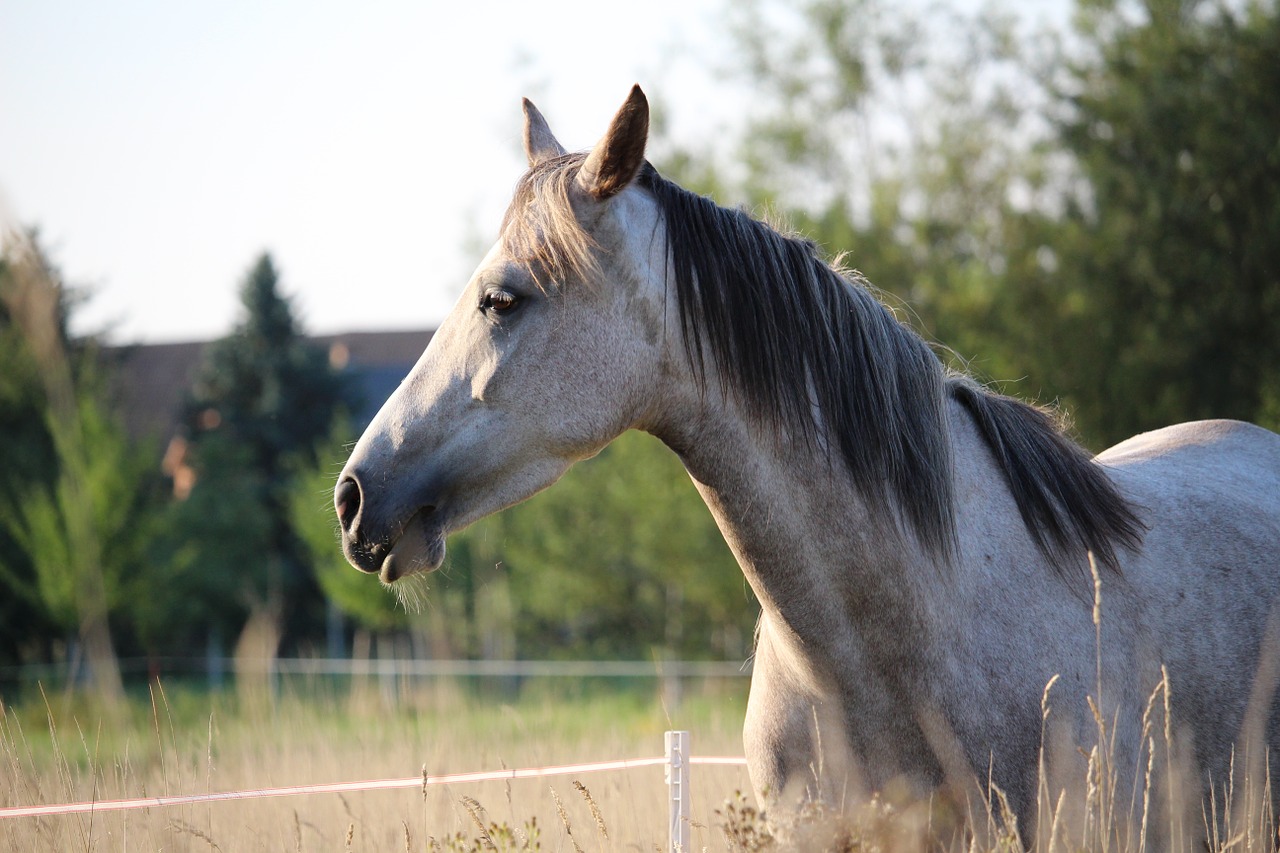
[{"x": 680, "y": 816}]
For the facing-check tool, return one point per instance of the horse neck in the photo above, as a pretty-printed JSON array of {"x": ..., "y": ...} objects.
[{"x": 827, "y": 571}]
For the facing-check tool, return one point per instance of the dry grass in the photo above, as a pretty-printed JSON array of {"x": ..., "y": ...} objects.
[
  {"x": 61, "y": 748},
  {"x": 1085, "y": 801},
  {"x": 187, "y": 742},
  {"x": 190, "y": 742},
  {"x": 55, "y": 750}
]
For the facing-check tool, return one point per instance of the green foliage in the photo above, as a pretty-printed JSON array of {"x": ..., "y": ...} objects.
[
  {"x": 264, "y": 398},
  {"x": 78, "y": 524},
  {"x": 1169, "y": 246},
  {"x": 358, "y": 595},
  {"x": 619, "y": 559},
  {"x": 208, "y": 554},
  {"x": 264, "y": 383},
  {"x": 115, "y": 481},
  {"x": 1093, "y": 216},
  {"x": 27, "y": 461},
  {"x": 75, "y": 507},
  {"x": 904, "y": 144}
]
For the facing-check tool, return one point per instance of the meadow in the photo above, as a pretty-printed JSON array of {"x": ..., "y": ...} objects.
[{"x": 174, "y": 739}]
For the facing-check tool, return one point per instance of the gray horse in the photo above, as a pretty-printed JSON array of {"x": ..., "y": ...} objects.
[{"x": 919, "y": 545}]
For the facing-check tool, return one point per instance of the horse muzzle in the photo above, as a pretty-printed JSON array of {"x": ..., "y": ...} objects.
[{"x": 417, "y": 545}]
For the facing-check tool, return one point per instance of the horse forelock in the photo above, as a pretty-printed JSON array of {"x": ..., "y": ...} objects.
[{"x": 541, "y": 229}]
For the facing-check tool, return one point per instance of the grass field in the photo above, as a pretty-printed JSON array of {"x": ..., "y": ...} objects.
[
  {"x": 182, "y": 741},
  {"x": 174, "y": 740}
]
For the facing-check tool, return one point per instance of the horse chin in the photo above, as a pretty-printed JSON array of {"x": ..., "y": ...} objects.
[{"x": 419, "y": 549}]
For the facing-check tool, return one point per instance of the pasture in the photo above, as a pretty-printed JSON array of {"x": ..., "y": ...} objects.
[
  {"x": 175, "y": 740},
  {"x": 921, "y": 545}
]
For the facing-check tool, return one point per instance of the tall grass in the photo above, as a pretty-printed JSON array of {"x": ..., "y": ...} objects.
[
  {"x": 67, "y": 747},
  {"x": 187, "y": 741},
  {"x": 1086, "y": 800},
  {"x": 183, "y": 741}
]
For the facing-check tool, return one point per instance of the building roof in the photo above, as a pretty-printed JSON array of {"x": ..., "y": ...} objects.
[{"x": 153, "y": 379}]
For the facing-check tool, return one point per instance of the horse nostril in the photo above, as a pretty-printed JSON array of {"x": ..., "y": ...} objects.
[{"x": 346, "y": 500}]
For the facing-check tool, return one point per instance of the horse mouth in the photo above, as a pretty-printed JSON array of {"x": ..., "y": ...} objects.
[{"x": 420, "y": 548}]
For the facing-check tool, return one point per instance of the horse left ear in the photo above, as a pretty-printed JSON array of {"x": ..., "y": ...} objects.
[
  {"x": 616, "y": 160},
  {"x": 539, "y": 142}
]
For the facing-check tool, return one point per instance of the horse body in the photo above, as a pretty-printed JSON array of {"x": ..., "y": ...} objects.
[
  {"x": 918, "y": 545},
  {"x": 1204, "y": 585},
  {"x": 930, "y": 672}
]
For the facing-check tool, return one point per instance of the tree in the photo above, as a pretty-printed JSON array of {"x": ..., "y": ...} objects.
[
  {"x": 904, "y": 144},
  {"x": 63, "y": 525},
  {"x": 206, "y": 553},
  {"x": 27, "y": 459},
  {"x": 619, "y": 559},
  {"x": 1166, "y": 260},
  {"x": 118, "y": 482},
  {"x": 1093, "y": 216},
  {"x": 262, "y": 401}
]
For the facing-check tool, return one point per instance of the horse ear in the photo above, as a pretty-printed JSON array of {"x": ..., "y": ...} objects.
[
  {"x": 616, "y": 159},
  {"x": 539, "y": 142}
]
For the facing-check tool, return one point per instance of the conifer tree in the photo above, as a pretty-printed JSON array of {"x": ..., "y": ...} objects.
[{"x": 264, "y": 397}]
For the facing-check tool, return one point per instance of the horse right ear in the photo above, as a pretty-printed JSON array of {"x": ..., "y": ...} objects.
[
  {"x": 616, "y": 160},
  {"x": 540, "y": 144}
]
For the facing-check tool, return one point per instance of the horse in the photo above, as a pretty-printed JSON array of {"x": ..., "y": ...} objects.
[{"x": 928, "y": 554}]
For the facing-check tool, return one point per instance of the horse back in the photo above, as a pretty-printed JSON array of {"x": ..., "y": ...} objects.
[
  {"x": 1208, "y": 493},
  {"x": 1215, "y": 444}
]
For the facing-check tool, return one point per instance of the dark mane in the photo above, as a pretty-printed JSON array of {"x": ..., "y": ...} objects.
[
  {"x": 811, "y": 352},
  {"x": 791, "y": 336}
]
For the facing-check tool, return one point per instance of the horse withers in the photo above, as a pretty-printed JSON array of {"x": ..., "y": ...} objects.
[{"x": 920, "y": 546}]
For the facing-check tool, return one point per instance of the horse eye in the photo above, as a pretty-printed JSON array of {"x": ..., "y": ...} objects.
[{"x": 498, "y": 301}]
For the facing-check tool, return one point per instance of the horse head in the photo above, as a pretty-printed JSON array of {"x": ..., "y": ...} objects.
[{"x": 553, "y": 350}]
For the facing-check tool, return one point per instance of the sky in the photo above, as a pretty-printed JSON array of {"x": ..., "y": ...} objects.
[{"x": 160, "y": 147}]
